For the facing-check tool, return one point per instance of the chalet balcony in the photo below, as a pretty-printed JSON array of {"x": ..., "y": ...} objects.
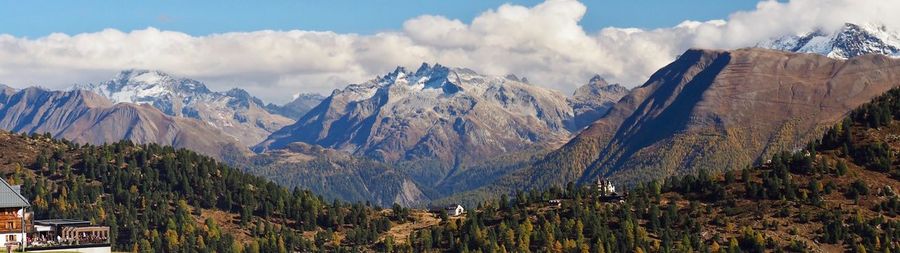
[{"x": 11, "y": 221}]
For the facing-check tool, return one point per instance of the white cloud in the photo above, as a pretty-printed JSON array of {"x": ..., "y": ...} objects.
[{"x": 544, "y": 43}]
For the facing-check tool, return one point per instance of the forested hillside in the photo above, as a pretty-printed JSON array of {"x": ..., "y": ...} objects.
[
  {"x": 336, "y": 175},
  {"x": 159, "y": 199},
  {"x": 838, "y": 194}
]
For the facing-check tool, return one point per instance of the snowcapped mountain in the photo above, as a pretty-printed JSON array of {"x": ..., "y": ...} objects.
[
  {"x": 592, "y": 100},
  {"x": 849, "y": 41},
  {"x": 446, "y": 115},
  {"x": 86, "y": 117},
  {"x": 236, "y": 112}
]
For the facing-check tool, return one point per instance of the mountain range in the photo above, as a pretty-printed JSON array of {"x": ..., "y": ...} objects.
[
  {"x": 425, "y": 117},
  {"x": 422, "y": 119},
  {"x": 235, "y": 112},
  {"x": 87, "y": 117},
  {"x": 414, "y": 136}
]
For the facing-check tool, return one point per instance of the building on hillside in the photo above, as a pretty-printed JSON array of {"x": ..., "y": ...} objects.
[
  {"x": 455, "y": 210},
  {"x": 605, "y": 187},
  {"x": 67, "y": 235},
  {"x": 608, "y": 192},
  {"x": 555, "y": 203},
  {"x": 13, "y": 216},
  {"x": 19, "y": 231}
]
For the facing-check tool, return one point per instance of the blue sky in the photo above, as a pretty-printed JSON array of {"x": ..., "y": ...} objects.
[
  {"x": 556, "y": 44},
  {"x": 39, "y": 18}
]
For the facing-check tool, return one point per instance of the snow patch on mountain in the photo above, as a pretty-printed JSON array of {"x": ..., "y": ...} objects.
[
  {"x": 849, "y": 41},
  {"x": 236, "y": 112}
]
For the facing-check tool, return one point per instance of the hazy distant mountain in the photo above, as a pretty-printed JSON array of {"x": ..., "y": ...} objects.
[
  {"x": 591, "y": 101},
  {"x": 435, "y": 115},
  {"x": 337, "y": 174},
  {"x": 851, "y": 40},
  {"x": 235, "y": 112},
  {"x": 298, "y": 107},
  {"x": 86, "y": 117}
]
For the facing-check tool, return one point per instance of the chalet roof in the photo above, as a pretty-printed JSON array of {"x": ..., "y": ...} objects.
[
  {"x": 62, "y": 222},
  {"x": 453, "y": 207},
  {"x": 10, "y": 196}
]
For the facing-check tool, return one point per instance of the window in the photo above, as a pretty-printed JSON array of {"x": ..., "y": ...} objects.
[
  {"x": 9, "y": 225},
  {"x": 11, "y": 238}
]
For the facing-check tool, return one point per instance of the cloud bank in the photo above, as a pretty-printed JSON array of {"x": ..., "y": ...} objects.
[{"x": 544, "y": 43}]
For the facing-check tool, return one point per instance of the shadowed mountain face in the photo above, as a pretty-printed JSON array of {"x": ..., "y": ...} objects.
[
  {"x": 851, "y": 40},
  {"x": 726, "y": 110},
  {"x": 717, "y": 110},
  {"x": 86, "y": 117}
]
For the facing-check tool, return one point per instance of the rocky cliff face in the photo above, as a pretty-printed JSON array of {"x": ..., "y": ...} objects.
[
  {"x": 235, "y": 112},
  {"x": 86, "y": 117},
  {"x": 593, "y": 100},
  {"x": 440, "y": 116}
]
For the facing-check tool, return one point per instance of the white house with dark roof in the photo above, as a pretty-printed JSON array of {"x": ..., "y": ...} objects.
[{"x": 455, "y": 210}]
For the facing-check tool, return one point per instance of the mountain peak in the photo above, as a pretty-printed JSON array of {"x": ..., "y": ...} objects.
[
  {"x": 423, "y": 68},
  {"x": 592, "y": 100},
  {"x": 432, "y": 70},
  {"x": 598, "y": 80},
  {"x": 133, "y": 83},
  {"x": 399, "y": 71},
  {"x": 6, "y": 89},
  {"x": 143, "y": 75},
  {"x": 848, "y": 41},
  {"x": 238, "y": 92},
  {"x": 243, "y": 97},
  {"x": 596, "y": 86}
]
